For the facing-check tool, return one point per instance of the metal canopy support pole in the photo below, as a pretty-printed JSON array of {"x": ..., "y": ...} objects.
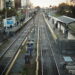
[
  {"x": 5, "y": 11},
  {"x": 66, "y": 31}
]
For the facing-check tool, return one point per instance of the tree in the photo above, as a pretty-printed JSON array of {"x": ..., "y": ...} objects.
[
  {"x": 37, "y": 7},
  {"x": 65, "y": 9}
]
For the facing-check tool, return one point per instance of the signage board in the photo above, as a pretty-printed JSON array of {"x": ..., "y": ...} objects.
[{"x": 9, "y": 22}]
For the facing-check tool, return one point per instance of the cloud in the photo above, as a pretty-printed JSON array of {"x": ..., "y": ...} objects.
[{"x": 46, "y": 3}]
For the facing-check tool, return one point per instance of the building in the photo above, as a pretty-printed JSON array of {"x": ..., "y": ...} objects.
[
  {"x": 23, "y": 3},
  {"x": 17, "y": 4},
  {"x": 1, "y": 4},
  {"x": 13, "y": 3},
  {"x": 27, "y": 2}
]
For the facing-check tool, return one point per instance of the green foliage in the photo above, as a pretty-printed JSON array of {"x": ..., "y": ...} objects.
[
  {"x": 2, "y": 14},
  {"x": 10, "y": 12},
  {"x": 65, "y": 9},
  {"x": 37, "y": 7}
]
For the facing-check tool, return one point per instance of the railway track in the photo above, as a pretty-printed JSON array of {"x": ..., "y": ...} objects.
[
  {"x": 4, "y": 50},
  {"x": 9, "y": 54},
  {"x": 44, "y": 50},
  {"x": 48, "y": 64},
  {"x": 32, "y": 37},
  {"x": 55, "y": 49}
]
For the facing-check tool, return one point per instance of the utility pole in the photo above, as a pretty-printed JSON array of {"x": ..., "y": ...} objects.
[
  {"x": 5, "y": 6},
  {"x": 26, "y": 8},
  {"x": 5, "y": 9}
]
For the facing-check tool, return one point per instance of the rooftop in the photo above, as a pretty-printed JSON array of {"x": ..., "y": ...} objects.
[{"x": 66, "y": 19}]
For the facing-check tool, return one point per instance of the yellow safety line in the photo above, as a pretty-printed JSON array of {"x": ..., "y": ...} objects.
[
  {"x": 37, "y": 58},
  {"x": 13, "y": 62},
  {"x": 55, "y": 37},
  {"x": 10, "y": 67},
  {"x": 52, "y": 32},
  {"x": 24, "y": 41}
]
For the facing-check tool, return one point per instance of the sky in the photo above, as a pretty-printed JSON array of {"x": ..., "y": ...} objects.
[
  {"x": 46, "y": 3},
  {"x": 23, "y": 2}
]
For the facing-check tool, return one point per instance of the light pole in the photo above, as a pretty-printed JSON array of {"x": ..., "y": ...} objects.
[
  {"x": 26, "y": 8},
  {"x": 5, "y": 9},
  {"x": 5, "y": 6}
]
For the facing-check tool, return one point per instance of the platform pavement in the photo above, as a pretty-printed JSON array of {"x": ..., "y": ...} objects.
[
  {"x": 17, "y": 27},
  {"x": 50, "y": 28},
  {"x": 58, "y": 33},
  {"x": 57, "y": 52},
  {"x": 14, "y": 29}
]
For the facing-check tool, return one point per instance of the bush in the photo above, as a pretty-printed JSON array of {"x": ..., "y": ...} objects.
[{"x": 10, "y": 12}]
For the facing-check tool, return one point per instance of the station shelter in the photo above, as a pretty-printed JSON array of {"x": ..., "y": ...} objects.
[{"x": 63, "y": 23}]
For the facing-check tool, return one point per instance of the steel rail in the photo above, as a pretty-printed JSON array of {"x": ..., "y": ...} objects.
[
  {"x": 54, "y": 37},
  {"x": 5, "y": 51},
  {"x": 37, "y": 58},
  {"x": 9, "y": 48},
  {"x": 6, "y": 69}
]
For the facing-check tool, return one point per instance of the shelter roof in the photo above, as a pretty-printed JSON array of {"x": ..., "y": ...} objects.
[{"x": 66, "y": 19}]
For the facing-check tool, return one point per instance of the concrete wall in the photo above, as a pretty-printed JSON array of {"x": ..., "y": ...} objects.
[
  {"x": 67, "y": 46},
  {"x": 70, "y": 36},
  {"x": 63, "y": 29}
]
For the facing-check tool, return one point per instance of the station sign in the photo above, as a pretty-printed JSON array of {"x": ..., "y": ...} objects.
[{"x": 9, "y": 22}]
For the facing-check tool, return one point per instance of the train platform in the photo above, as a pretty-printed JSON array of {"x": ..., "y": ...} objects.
[
  {"x": 22, "y": 66},
  {"x": 7, "y": 43},
  {"x": 12, "y": 49},
  {"x": 58, "y": 32},
  {"x": 16, "y": 28},
  {"x": 65, "y": 51}
]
